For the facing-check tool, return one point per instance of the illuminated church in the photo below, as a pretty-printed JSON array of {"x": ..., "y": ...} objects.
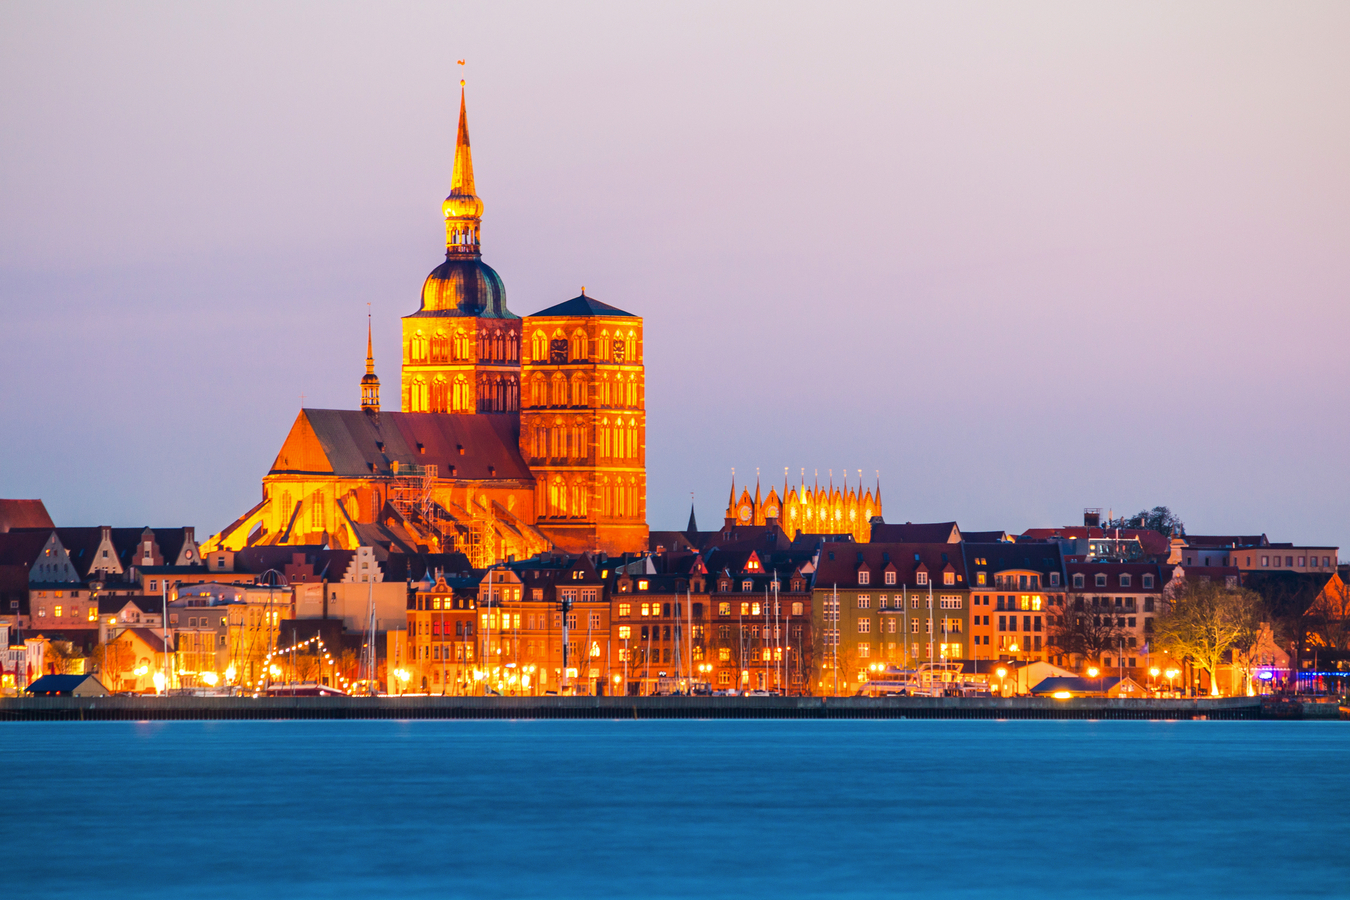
[{"x": 514, "y": 436}]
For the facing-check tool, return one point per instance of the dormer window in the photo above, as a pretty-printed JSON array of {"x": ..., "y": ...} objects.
[
  {"x": 1054, "y": 579},
  {"x": 921, "y": 577},
  {"x": 864, "y": 576},
  {"x": 1101, "y": 580},
  {"x": 1078, "y": 579},
  {"x": 747, "y": 585},
  {"x": 1124, "y": 581},
  {"x": 1148, "y": 581},
  {"x": 890, "y": 577},
  {"x": 981, "y": 578},
  {"x": 949, "y": 578}
]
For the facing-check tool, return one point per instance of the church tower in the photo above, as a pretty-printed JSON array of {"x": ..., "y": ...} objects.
[
  {"x": 370, "y": 382},
  {"x": 583, "y": 425},
  {"x": 461, "y": 349}
]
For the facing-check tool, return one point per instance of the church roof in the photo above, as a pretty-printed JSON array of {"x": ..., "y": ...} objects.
[
  {"x": 23, "y": 514},
  {"x": 349, "y": 442},
  {"x": 582, "y": 306}
]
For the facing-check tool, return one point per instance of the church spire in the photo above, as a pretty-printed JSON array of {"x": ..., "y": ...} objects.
[
  {"x": 463, "y": 210},
  {"x": 370, "y": 383}
]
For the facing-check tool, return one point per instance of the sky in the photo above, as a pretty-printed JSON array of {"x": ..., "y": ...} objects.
[{"x": 1013, "y": 259}]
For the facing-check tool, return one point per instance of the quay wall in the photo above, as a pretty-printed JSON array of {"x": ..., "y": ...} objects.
[{"x": 144, "y": 708}]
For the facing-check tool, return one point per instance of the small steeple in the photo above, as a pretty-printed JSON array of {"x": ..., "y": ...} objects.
[
  {"x": 692, "y": 528},
  {"x": 370, "y": 383},
  {"x": 462, "y": 209}
]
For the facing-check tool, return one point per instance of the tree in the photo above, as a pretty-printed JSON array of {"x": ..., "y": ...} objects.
[
  {"x": 1086, "y": 632},
  {"x": 1159, "y": 519},
  {"x": 1205, "y": 621}
]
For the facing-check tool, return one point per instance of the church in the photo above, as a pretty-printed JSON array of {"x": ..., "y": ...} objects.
[{"x": 513, "y": 437}]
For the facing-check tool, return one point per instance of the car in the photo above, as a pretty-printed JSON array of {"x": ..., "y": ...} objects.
[
  {"x": 759, "y": 693},
  {"x": 729, "y": 692}
]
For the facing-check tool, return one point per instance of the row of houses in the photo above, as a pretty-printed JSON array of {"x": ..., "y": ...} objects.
[{"x": 740, "y": 608}]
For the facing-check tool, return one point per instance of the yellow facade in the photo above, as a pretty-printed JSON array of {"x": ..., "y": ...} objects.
[{"x": 583, "y": 426}]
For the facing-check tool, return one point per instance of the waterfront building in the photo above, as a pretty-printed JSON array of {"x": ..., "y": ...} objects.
[
  {"x": 1016, "y": 589},
  {"x": 890, "y": 605}
]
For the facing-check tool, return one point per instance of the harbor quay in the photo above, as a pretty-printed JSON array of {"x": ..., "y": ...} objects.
[{"x": 409, "y": 707}]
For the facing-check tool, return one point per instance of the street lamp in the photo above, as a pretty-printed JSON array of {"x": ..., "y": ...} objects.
[
  {"x": 1093, "y": 672},
  {"x": 1171, "y": 674},
  {"x": 1153, "y": 679},
  {"x": 1002, "y": 674}
]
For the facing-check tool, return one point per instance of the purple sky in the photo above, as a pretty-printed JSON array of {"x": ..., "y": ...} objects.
[{"x": 1020, "y": 258}]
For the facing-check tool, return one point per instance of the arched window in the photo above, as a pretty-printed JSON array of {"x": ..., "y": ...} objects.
[
  {"x": 578, "y": 391},
  {"x": 539, "y": 347},
  {"x": 602, "y": 346},
  {"x": 418, "y": 349},
  {"x": 578, "y": 344},
  {"x": 461, "y": 400},
  {"x": 417, "y": 395},
  {"x": 513, "y": 347},
  {"x": 440, "y": 347},
  {"x": 513, "y": 394},
  {"x": 482, "y": 345},
  {"x": 631, "y": 354},
  {"x": 439, "y": 398},
  {"x": 461, "y": 344},
  {"x": 559, "y": 397},
  {"x": 498, "y": 345}
]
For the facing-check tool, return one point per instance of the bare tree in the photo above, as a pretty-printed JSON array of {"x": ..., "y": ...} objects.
[
  {"x": 1205, "y": 621},
  {"x": 1086, "y": 632}
]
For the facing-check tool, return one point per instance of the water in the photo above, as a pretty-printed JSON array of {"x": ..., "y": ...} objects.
[{"x": 658, "y": 809}]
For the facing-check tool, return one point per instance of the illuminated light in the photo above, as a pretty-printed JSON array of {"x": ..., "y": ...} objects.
[
  {"x": 141, "y": 670},
  {"x": 1267, "y": 675},
  {"x": 159, "y": 681},
  {"x": 210, "y": 678},
  {"x": 1002, "y": 672},
  {"x": 1154, "y": 671},
  {"x": 230, "y": 672},
  {"x": 1062, "y": 695},
  {"x": 1092, "y": 671}
]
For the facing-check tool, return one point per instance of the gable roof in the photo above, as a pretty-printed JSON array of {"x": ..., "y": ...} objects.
[
  {"x": 350, "y": 442},
  {"x": 581, "y": 306},
  {"x": 849, "y": 558},
  {"x": 63, "y": 684},
  {"x": 910, "y": 533}
]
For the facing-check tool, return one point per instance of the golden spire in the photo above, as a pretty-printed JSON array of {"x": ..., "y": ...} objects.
[
  {"x": 462, "y": 209},
  {"x": 370, "y": 347}
]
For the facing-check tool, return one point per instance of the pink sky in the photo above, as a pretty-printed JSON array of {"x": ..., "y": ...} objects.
[{"x": 1020, "y": 258}]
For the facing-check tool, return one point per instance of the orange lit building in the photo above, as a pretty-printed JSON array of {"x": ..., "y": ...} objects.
[
  {"x": 809, "y": 510},
  {"x": 460, "y": 467}
]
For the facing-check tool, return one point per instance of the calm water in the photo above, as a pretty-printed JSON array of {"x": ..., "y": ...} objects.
[{"x": 676, "y": 809}]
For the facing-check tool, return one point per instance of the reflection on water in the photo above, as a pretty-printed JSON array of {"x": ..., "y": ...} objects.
[{"x": 658, "y": 809}]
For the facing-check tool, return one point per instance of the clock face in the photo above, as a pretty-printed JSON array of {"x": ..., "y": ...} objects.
[
  {"x": 557, "y": 352},
  {"x": 745, "y": 514}
]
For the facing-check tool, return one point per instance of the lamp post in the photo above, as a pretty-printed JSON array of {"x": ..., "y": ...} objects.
[
  {"x": 1093, "y": 672},
  {"x": 1171, "y": 674},
  {"x": 1153, "y": 679},
  {"x": 1002, "y": 674}
]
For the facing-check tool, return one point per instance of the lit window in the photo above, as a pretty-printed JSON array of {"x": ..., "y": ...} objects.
[
  {"x": 1265, "y": 560},
  {"x": 93, "y": 614},
  {"x": 724, "y": 653},
  {"x": 949, "y": 578},
  {"x": 981, "y": 578},
  {"x": 796, "y": 609},
  {"x": 754, "y": 609},
  {"x": 624, "y": 609},
  {"x": 56, "y": 611},
  {"x": 864, "y": 650},
  {"x": 724, "y": 609},
  {"x": 745, "y": 609},
  {"x": 646, "y": 609},
  {"x": 625, "y": 632},
  {"x": 642, "y": 585},
  {"x": 42, "y": 612},
  {"x": 436, "y": 603}
]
